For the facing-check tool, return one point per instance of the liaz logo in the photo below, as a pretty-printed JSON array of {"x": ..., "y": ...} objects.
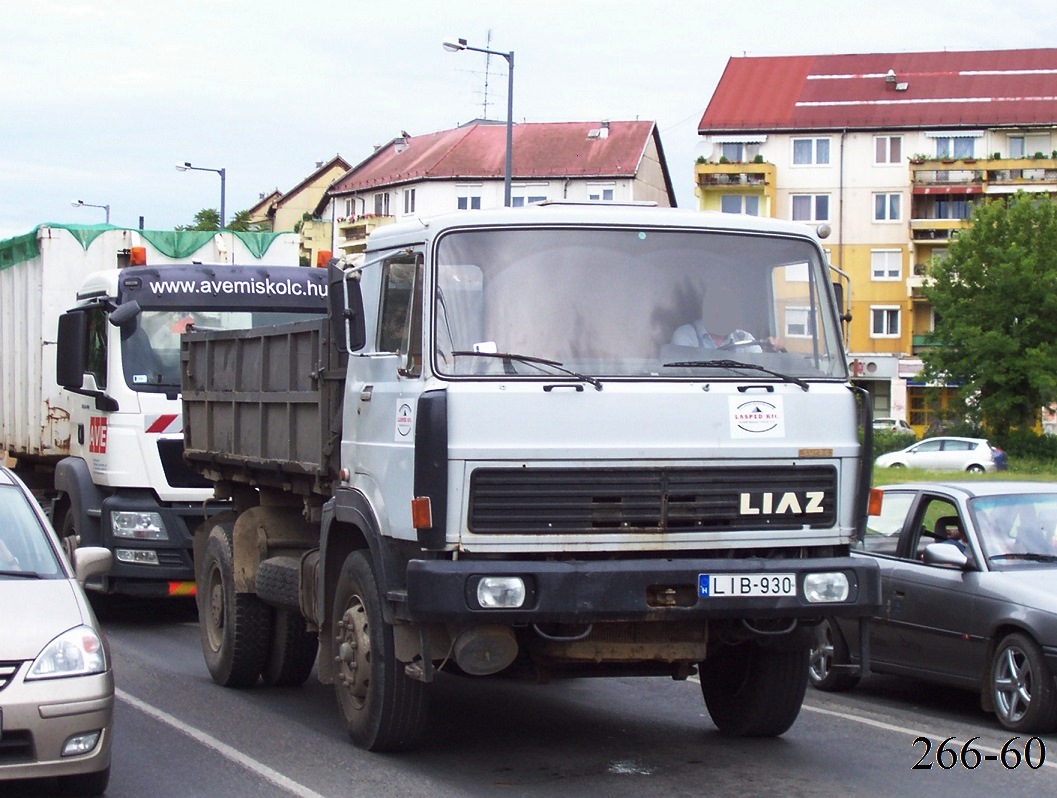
[
  {"x": 97, "y": 435},
  {"x": 810, "y": 503}
]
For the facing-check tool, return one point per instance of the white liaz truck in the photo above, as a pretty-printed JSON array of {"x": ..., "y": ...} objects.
[
  {"x": 90, "y": 406},
  {"x": 492, "y": 459}
]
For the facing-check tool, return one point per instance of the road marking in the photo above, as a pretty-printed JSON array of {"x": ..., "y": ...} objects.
[
  {"x": 878, "y": 724},
  {"x": 225, "y": 750}
]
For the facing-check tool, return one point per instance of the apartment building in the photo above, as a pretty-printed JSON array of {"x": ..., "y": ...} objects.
[
  {"x": 464, "y": 168},
  {"x": 891, "y": 151}
]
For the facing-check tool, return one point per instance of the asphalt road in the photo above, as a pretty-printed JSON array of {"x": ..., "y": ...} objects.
[{"x": 178, "y": 735}]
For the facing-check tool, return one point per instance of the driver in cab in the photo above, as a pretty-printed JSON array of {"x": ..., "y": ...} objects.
[{"x": 718, "y": 327}]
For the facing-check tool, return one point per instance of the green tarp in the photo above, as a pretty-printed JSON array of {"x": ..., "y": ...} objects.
[{"x": 176, "y": 244}]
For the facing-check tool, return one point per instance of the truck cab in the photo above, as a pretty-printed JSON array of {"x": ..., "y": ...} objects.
[{"x": 125, "y": 485}]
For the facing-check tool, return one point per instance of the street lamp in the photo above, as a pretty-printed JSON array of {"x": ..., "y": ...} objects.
[
  {"x": 83, "y": 204},
  {"x": 457, "y": 45},
  {"x": 183, "y": 167}
]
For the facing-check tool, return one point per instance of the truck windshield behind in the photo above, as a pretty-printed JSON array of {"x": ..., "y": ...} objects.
[{"x": 630, "y": 303}]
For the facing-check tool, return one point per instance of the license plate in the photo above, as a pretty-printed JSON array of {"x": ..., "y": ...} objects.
[{"x": 740, "y": 585}]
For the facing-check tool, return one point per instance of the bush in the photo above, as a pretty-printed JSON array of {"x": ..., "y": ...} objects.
[
  {"x": 1026, "y": 443},
  {"x": 889, "y": 440}
]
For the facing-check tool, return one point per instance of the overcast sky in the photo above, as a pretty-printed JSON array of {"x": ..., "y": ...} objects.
[{"x": 100, "y": 98}]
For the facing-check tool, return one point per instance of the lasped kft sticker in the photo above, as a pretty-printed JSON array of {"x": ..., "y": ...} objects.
[{"x": 753, "y": 418}]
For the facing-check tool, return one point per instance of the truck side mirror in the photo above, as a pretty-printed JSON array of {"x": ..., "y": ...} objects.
[
  {"x": 124, "y": 313},
  {"x": 348, "y": 329},
  {"x": 70, "y": 354}
]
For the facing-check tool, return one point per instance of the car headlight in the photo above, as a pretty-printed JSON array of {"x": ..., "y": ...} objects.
[
  {"x": 137, "y": 525},
  {"x": 77, "y": 652}
]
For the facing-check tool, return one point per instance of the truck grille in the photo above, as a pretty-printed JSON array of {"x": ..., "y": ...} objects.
[
  {"x": 600, "y": 500},
  {"x": 177, "y": 474}
]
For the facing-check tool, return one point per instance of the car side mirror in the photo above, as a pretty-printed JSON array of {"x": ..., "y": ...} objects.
[
  {"x": 91, "y": 561},
  {"x": 946, "y": 554}
]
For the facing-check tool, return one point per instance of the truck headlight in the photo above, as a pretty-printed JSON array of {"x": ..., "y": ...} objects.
[
  {"x": 136, "y": 525},
  {"x": 501, "y": 592},
  {"x": 826, "y": 588}
]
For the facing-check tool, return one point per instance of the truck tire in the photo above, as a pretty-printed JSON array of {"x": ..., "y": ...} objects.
[
  {"x": 68, "y": 536},
  {"x": 235, "y": 627},
  {"x": 752, "y": 691},
  {"x": 382, "y": 708},
  {"x": 293, "y": 651}
]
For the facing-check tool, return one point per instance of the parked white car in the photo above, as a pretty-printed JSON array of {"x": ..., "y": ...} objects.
[
  {"x": 897, "y": 424},
  {"x": 975, "y": 455}
]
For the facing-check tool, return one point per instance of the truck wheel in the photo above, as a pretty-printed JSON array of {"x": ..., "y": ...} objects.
[
  {"x": 293, "y": 651},
  {"x": 751, "y": 691},
  {"x": 235, "y": 627},
  {"x": 828, "y": 648},
  {"x": 383, "y": 709},
  {"x": 68, "y": 536}
]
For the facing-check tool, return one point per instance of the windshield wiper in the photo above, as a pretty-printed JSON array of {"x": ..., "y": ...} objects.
[
  {"x": 1028, "y": 555},
  {"x": 532, "y": 361},
  {"x": 735, "y": 364},
  {"x": 22, "y": 574}
]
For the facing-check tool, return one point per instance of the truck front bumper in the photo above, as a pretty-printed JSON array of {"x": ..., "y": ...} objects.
[{"x": 584, "y": 591}]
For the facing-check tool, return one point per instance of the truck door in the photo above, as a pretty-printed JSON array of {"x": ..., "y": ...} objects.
[{"x": 383, "y": 398}]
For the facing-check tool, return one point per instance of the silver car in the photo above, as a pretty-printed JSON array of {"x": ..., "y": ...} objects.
[
  {"x": 56, "y": 684},
  {"x": 968, "y": 597}
]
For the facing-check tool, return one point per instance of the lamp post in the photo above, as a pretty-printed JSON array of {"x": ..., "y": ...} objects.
[
  {"x": 83, "y": 204},
  {"x": 457, "y": 45},
  {"x": 183, "y": 167}
]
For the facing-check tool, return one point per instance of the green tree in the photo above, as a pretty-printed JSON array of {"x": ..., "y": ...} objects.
[
  {"x": 241, "y": 222},
  {"x": 205, "y": 219},
  {"x": 995, "y": 300}
]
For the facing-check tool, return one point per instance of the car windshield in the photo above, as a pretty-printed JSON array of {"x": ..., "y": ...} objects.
[
  {"x": 150, "y": 346},
  {"x": 24, "y": 548},
  {"x": 678, "y": 304},
  {"x": 1017, "y": 529}
]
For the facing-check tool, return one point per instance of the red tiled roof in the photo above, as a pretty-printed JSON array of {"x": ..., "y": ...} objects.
[
  {"x": 478, "y": 151},
  {"x": 943, "y": 90}
]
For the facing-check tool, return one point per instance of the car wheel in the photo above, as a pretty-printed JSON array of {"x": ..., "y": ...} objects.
[
  {"x": 829, "y": 649},
  {"x": 382, "y": 707},
  {"x": 898, "y": 465},
  {"x": 235, "y": 628},
  {"x": 1022, "y": 687},
  {"x": 752, "y": 691},
  {"x": 975, "y": 468}
]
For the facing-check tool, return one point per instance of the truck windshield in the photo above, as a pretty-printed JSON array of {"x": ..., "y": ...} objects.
[
  {"x": 150, "y": 349},
  {"x": 633, "y": 303}
]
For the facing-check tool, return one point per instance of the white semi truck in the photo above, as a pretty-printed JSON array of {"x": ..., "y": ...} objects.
[
  {"x": 493, "y": 459},
  {"x": 90, "y": 407}
]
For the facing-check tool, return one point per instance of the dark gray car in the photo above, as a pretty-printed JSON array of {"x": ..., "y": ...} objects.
[{"x": 978, "y": 612}]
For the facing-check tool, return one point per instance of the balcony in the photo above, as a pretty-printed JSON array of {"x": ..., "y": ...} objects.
[
  {"x": 353, "y": 231},
  {"x": 725, "y": 176},
  {"x": 936, "y": 229},
  {"x": 982, "y": 175}
]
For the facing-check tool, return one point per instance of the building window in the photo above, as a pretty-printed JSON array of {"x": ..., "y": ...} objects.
[
  {"x": 600, "y": 191},
  {"x": 886, "y": 264},
  {"x": 886, "y": 207},
  {"x": 348, "y": 207},
  {"x": 747, "y": 204},
  {"x": 733, "y": 151},
  {"x": 955, "y": 147},
  {"x": 409, "y": 200},
  {"x": 953, "y": 207},
  {"x": 884, "y": 322},
  {"x": 472, "y": 203},
  {"x": 381, "y": 204},
  {"x": 517, "y": 202},
  {"x": 810, "y": 207},
  {"x": 810, "y": 152},
  {"x": 1016, "y": 147},
  {"x": 796, "y": 322},
  {"x": 888, "y": 149}
]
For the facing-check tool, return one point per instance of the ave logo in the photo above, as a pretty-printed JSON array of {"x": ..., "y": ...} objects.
[{"x": 97, "y": 435}]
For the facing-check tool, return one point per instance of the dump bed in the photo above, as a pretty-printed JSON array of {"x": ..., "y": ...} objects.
[{"x": 263, "y": 406}]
